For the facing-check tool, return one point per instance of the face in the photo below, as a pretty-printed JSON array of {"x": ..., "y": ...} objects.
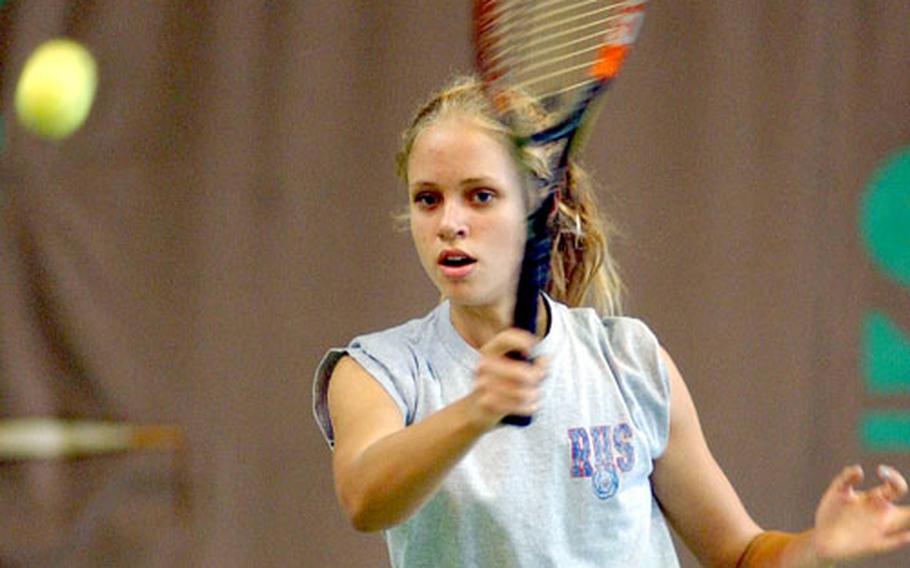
[{"x": 467, "y": 213}]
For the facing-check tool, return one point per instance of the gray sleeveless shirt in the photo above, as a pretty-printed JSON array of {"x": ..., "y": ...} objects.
[{"x": 573, "y": 488}]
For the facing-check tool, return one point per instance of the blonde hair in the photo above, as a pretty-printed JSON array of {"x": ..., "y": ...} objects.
[{"x": 582, "y": 270}]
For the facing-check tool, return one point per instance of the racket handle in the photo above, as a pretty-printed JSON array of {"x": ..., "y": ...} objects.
[
  {"x": 517, "y": 419},
  {"x": 535, "y": 271}
]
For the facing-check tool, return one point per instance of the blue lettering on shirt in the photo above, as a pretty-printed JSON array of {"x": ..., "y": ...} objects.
[
  {"x": 602, "y": 453},
  {"x": 581, "y": 452}
]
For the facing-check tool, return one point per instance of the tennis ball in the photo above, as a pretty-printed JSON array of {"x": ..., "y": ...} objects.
[{"x": 56, "y": 89}]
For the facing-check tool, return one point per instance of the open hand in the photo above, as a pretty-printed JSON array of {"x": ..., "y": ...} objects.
[{"x": 852, "y": 523}]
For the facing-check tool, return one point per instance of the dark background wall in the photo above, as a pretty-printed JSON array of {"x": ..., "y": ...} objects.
[{"x": 225, "y": 216}]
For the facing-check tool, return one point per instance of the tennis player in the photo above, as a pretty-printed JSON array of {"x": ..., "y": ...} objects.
[{"x": 615, "y": 454}]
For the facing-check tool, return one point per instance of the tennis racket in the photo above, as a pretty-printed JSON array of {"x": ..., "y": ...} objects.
[{"x": 561, "y": 54}]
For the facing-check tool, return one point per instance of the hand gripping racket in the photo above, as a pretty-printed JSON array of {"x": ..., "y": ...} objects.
[{"x": 561, "y": 54}]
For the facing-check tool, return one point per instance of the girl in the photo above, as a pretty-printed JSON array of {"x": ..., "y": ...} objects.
[{"x": 615, "y": 452}]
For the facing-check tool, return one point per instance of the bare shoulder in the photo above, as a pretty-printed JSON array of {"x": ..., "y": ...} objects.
[
  {"x": 352, "y": 385},
  {"x": 360, "y": 407}
]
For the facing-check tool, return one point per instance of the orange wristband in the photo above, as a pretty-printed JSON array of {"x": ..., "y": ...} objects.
[{"x": 763, "y": 547}]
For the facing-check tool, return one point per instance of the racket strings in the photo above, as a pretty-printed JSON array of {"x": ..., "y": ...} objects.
[
  {"x": 535, "y": 43},
  {"x": 540, "y": 62},
  {"x": 521, "y": 21},
  {"x": 538, "y": 25},
  {"x": 550, "y": 49},
  {"x": 513, "y": 11}
]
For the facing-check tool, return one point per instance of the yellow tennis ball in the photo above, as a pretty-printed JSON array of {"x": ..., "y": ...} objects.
[{"x": 56, "y": 89}]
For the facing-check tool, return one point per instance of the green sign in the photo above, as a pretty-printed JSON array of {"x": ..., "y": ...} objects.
[
  {"x": 885, "y": 227},
  {"x": 885, "y": 218},
  {"x": 886, "y": 431},
  {"x": 886, "y": 355}
]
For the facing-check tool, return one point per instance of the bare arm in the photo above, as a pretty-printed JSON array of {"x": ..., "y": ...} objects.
[
  {"x": 385, "y": 471},
  {"x": 704, "y": 509},
  {"x": 696, "y": 496}
]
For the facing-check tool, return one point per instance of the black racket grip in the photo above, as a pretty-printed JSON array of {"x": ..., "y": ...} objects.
[
  {"x": 535, "y": 271},
  {"x": 517, "y": 419}
]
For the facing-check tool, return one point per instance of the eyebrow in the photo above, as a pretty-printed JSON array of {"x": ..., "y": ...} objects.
[{"x": 482, "y": 180}]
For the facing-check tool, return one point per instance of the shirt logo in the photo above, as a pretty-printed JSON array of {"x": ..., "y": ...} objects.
[{"x": 602, "y": 453}]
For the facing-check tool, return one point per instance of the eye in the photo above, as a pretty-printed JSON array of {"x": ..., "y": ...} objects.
[
  {"x": 426, "y": 199},
  {"x": 482, "y": 196}
]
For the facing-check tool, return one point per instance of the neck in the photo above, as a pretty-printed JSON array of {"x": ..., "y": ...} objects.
[{"x": 478, "y": 324}]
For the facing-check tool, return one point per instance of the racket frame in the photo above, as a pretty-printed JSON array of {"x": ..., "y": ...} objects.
[{"x": 535, "y": 268}]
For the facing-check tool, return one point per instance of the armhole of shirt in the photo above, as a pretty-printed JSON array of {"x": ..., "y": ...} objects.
[
  {"x": 378, "y": 371},
  {"x": 649, "y": 393}
]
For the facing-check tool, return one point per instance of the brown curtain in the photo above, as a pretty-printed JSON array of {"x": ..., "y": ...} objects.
[{"x": 225, "y": 216}]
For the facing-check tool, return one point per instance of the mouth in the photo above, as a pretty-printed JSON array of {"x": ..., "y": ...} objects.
[{"x": 455, "y": 263}]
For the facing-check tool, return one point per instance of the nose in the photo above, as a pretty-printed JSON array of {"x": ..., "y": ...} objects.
[{"x": 454, "y": 222}]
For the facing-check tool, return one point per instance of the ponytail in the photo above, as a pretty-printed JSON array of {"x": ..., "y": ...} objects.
[{"x": 582, "y": 270}]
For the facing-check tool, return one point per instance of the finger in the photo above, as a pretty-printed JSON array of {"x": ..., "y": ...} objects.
[
  {"x": 510, "y": 340},
  {"x": 513, "y": 372},
  {"x": 894, "y": 486},
  {"x": 526, "y": 403},
  {"x": 542, "y": 365},
  {"x": 518, "y": 371},
  {"x": 847, "y": 479},
  {"x": 508, "y": 391}
]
